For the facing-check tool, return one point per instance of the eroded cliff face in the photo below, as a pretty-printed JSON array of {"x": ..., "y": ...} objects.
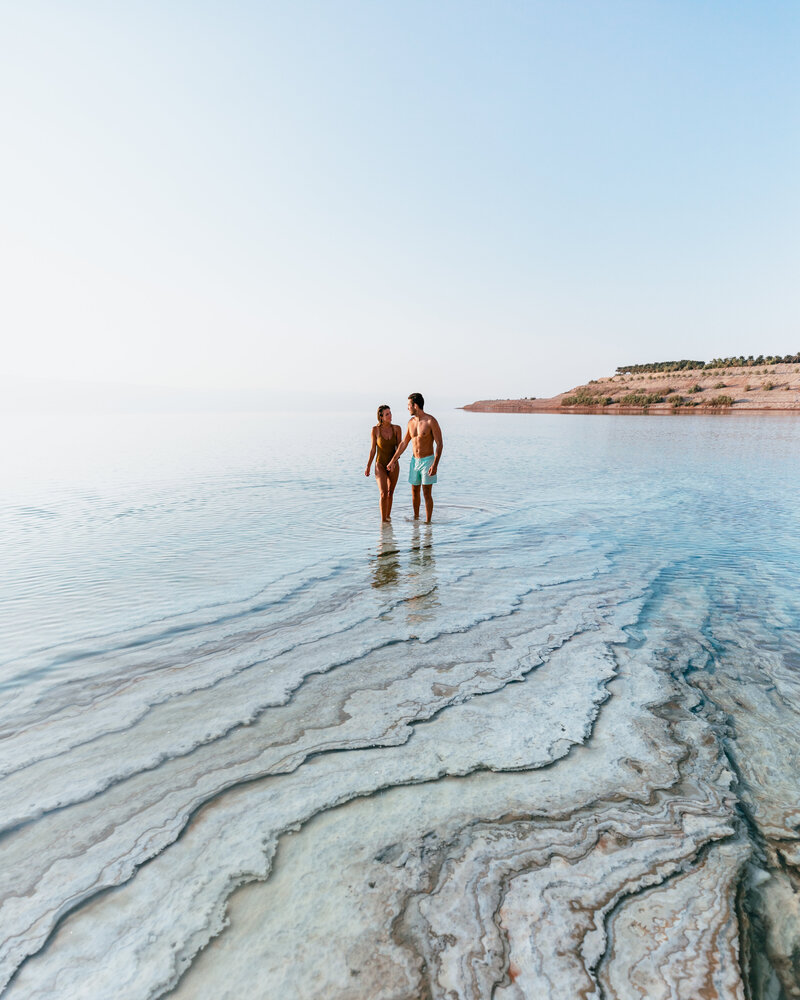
[{"x": 535, "y": 764}]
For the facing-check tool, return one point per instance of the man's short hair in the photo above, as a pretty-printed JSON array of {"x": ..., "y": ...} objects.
[{"x": 417, "y": 399}]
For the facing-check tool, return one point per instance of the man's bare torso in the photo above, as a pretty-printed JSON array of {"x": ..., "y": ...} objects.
[{"x": 421, "y": 431}]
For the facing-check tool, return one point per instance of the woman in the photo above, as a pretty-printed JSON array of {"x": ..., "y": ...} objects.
[{"x": 385, "y": 439}]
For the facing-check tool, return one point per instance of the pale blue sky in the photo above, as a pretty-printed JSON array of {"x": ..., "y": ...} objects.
[{"x": 464, "y": 199}]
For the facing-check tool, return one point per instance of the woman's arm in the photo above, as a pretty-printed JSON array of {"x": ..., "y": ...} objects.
[{"x": 372, "y": 451}]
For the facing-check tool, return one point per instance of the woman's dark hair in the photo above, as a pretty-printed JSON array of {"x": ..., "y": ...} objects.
[
  {"x": 417, "y": 400},
  {"x": 385, "y": 406}
]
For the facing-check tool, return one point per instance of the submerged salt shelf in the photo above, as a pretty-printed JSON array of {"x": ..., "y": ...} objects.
[{"x": 253, "y": 744}]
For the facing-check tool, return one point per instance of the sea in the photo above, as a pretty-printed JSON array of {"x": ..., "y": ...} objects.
[{"x": 229, "y": 693}]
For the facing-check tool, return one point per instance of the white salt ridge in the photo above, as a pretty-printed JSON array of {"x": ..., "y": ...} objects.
[{"x": 107, "y": 830}]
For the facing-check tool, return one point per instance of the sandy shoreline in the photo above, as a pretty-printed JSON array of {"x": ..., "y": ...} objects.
[
  {"x": 511, "y": 406},
  {"x": 767, "y": 389}
]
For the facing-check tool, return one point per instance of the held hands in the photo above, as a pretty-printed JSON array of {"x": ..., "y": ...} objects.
[{"x": 391, "y": 466}]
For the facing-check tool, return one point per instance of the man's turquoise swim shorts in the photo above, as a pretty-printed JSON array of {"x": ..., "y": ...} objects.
[{"x": 418, "y": 471}]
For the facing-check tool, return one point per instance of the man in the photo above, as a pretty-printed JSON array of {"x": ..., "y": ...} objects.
[{"x": 424, "y": 431}]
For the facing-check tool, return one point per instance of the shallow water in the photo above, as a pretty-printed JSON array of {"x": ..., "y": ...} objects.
[{"x": 255, "y": 743}]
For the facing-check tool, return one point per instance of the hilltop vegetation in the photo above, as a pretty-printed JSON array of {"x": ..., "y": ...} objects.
[
  {"x": 659, "y": 366},
  {"x": 733, "y": 362}
]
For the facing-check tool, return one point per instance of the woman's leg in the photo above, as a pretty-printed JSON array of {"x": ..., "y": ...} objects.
[
  {"x": 394, "y": 475},
  {"x": 383, "y": 484}
]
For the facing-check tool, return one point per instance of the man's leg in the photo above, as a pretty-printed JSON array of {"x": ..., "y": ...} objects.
[
  {"x": 427, "y": 492},
  {"x": 415, "y": 501}
]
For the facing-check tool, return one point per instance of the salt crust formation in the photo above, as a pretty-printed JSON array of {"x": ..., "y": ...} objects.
[{"x": 530, "y": 767}]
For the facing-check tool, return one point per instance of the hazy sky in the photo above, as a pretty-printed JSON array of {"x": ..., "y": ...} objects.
[{"x": 464, "y": 199}]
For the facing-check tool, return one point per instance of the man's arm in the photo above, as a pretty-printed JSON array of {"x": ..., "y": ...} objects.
[
  {"x": 372, "y": 451},
  {"x": 437, "y": 437},
  {"x": 400, "y": 449}
]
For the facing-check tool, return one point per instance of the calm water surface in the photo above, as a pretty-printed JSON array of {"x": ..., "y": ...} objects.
[
  {"x": 210, "y": 644},
  {"x": 117, "y": 521}
]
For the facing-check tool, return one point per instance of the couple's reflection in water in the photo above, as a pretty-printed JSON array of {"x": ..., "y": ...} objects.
[
  {"x": 407, "y": 569},
  {"x": 386, "y": 563}
]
